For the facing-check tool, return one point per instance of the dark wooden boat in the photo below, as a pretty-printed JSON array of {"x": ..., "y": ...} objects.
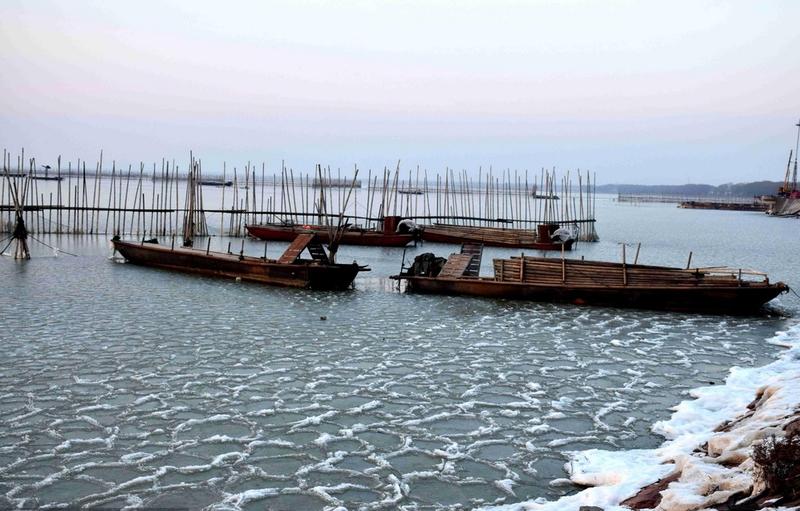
[
  {"x": 212, "y": 182},
  {"x": 388, "y": 237},
  {"x": 726, "y": 206},
  {"x": 715, "y": 290},
  {"x": 541, "y": 239},
  {"x": 287, "y": 271}
]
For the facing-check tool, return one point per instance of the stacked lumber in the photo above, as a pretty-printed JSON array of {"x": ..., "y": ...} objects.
[
  {"x": 485, "y": 235},
  {"x": 579, "y": 273}
]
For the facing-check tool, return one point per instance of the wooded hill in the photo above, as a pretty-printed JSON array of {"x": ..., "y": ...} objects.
[{"x": 756, "y": 188}]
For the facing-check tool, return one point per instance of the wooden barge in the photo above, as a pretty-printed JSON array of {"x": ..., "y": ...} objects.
[
  {"x": 726, "y": 206},
  {"x": 714, "y": 290},
  {"x": 395, "y": 233},
  {"x": 541, "y": 239},
  {"x": 287, "y": 271}
]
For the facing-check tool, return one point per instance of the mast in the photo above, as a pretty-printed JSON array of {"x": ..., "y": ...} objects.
[
  {"x": 189, "y": 220},
  {"x": 785, "y": 187},
  {"x": 796, "y": 147}
]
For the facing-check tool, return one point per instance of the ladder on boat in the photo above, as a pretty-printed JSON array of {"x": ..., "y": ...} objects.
[
  {"x": 476, "y": 251},
  {"x": 317, "y": 252}
]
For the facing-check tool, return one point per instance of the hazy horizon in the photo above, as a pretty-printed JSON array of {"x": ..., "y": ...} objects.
[{"x": 636, "y": 92}]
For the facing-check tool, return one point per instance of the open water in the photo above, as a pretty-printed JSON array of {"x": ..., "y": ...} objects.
[{"x": 123, "y": 386}]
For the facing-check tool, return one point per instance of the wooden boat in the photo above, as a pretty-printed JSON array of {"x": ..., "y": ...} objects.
[
  {"x": 717, "y": 290},
  {"x": 388, "y": 237},
  {"x": 541, "y": 239},
  {"x": 288, "y": 271},
  {"x": 726, "y": 206}
]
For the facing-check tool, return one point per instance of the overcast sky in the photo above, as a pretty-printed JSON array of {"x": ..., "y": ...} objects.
[{"x": 637, "y": 91}]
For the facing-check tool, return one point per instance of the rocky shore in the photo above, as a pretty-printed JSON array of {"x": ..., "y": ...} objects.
[{"x": 733, "y": 447}]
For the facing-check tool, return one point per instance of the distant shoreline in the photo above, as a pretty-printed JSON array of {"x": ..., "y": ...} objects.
[{"x": 751, "y": 189}]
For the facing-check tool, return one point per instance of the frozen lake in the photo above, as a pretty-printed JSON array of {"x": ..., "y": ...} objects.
[{"x": 128, "y": 386}]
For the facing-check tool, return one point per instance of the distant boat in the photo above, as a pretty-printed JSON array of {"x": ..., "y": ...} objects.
[
  {"x": 787, "y": 200},
  {"x": 718, "y": 290},
  {"x": 287, "y": 271},
  {"x": 756, "y": 205},
  {"x": 396, "y": 233},
  {"x": 215, "y": 182},
  {"x": 411, "y": 191},
  {"x": 46, "y": 176},
  {"x": 335, "y": 183},
  {"x": 536, "y": 195}
]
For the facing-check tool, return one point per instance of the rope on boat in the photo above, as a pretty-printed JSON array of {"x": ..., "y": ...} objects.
[
  {"x": 52, "y": 247},
  {"x": 8, "y": 245}
]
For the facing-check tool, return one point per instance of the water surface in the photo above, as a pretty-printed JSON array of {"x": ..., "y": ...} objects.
[{"x": 128, "y": 386}]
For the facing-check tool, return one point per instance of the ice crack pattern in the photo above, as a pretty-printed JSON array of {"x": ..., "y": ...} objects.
[{"x": 225, "y": 396}]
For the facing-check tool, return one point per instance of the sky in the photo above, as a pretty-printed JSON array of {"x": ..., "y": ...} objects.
[{"x": 648, "y": 92}]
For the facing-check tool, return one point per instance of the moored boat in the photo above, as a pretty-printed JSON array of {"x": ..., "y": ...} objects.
[
  {"x": 290, "y": 270},
  {"x": 787, "y": 201},
  {"x": 546, "y": 237},
  {"x": 215, "y": 182},
  {"x": 396, "y": 232},
  {"x": 715, "y": 290}
]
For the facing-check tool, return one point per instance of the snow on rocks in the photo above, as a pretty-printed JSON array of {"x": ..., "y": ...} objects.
[{"x": 705, "y": 461}]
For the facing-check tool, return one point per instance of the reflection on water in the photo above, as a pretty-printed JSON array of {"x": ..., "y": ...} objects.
[{"x": 127, "y": 386}]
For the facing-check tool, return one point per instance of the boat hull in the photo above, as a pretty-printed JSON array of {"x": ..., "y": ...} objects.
[
  {"x": 350, "y": 237},
  {"x": 746, "y": 299},
  {"x": 785, "y": 206},
  {"x": 304, "y": 274}
]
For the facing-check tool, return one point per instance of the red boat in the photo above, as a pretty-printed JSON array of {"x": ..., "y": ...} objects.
[{"x": 396, "y": 233}]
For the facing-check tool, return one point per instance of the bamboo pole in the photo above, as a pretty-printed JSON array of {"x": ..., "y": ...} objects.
[{"x": 624, "y": 267}]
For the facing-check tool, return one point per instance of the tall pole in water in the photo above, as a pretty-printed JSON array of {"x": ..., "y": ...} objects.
[
  {"x": 796, "y": 146},
  {"x": 20, "y": 233}
]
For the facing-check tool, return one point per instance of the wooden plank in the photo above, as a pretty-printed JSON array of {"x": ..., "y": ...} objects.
[
  {"x": 455, "y": 266},
  {"x": 297, "y": 246},
  {"x": 585, "y": 273}
]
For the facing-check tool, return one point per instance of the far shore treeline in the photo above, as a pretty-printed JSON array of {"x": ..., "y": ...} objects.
[{"x": 755, "y": 188}]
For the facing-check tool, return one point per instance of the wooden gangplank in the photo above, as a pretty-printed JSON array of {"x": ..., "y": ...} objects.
[
  {"x": 297, "y": 246},
  {"x": 455, "y": 266}
]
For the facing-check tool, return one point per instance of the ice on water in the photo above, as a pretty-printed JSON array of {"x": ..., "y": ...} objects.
[{"x": 130, "y": 387}]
